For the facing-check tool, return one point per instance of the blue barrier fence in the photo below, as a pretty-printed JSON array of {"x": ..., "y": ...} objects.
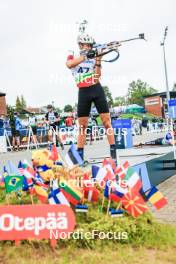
[{"x": 40, "y": 131}]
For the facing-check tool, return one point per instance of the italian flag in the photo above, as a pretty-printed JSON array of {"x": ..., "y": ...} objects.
[{"x": 133, "y": 180}]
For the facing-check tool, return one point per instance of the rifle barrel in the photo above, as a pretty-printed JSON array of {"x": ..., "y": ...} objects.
[{"x": 126, "y": 40}]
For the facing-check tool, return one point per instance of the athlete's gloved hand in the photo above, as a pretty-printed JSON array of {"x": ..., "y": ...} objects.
[{"x": 91, "y": 54}]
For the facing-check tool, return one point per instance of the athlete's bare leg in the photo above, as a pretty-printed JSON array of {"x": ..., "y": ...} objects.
[
  {"x": 83, "y": 122},
  {"x": 106, "y": 120}
]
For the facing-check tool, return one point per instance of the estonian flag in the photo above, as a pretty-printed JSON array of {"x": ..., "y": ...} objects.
[
  {"x": 116, "y": 213},
  {"x": 81, "y": 208},
  {"x": 73, "y": 158}
]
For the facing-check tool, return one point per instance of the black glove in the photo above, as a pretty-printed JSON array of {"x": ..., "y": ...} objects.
[{"x": 91, "y": 54}]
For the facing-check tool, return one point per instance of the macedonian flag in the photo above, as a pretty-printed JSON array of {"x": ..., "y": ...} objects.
[{"x": 134, "y": 203}]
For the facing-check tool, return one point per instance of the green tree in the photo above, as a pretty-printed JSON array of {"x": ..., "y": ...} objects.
[
  {"x": 58, "y": 110},
  {"x": 23, "y": 102},
  {"x": 10, "y": 112},
  {"x": 68, "y": 108},
  {"x": 18, "y": 105},
  {"x": 108, "y": 95},
  {"x": 120, "y": 100},
  {"x": 174, "y": 87},
  {"x": 10, "y": 109},
  {"x": 137, "y": 90}
]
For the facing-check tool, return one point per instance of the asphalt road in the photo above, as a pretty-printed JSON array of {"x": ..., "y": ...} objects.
[{"x": 101, "y": 149}]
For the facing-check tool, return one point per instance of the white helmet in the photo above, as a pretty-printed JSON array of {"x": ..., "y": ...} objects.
[{"x": 85, "y": 39}]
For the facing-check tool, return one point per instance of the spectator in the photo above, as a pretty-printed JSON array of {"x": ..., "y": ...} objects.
[
  {"x": 69, "y": 121},
  {"x": 15, "y": 124},
  {"x": 144, "y": 122},
  {"x": 32, "y": 122},
  {"x": 2, "y": 125},
  {"x": 41, "y": 129},
  {"x": 52, "y": 119},
  {"x": 140, "y": 127}
]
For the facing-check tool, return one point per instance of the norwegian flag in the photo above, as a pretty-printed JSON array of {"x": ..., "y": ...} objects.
[{"x": 40, "y": 182}]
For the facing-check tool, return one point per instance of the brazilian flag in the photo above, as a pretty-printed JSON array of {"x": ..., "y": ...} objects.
[{"x": 13, "y": 183}]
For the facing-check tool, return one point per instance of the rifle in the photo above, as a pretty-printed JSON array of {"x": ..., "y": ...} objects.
[{"x": 103, "y": 49}]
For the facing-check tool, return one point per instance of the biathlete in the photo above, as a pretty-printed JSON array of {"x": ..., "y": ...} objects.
[
  {"x": 86, "y": 70},
  {"x": 164, "y": 141}
]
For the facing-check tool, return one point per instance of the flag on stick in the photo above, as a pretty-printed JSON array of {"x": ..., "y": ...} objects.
[
  {"x": 73, "y": 158},
  {"x": 156, "y": 198},
  {"x": 134, "y": 204},
  {"x": 13, "y": 183},
  {"x": 81, "y": 208},
  {"x": 56, "y": 196},
  {"x": 71, "y": 193},
  {"x": 41, "y": 194},
  {"x": 2, "y": 184},
  {"x": 116, "y": 213},
  {"x": 122, "y": 170},
  {"x": 13, "y": 169},
  {"x": 54, "y": 154},
  {"x": 133, "y": 180}
]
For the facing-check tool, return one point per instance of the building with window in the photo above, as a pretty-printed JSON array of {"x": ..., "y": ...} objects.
[
  {"x": 156, "y": 104},
  {"x": 3, "y": 106}
]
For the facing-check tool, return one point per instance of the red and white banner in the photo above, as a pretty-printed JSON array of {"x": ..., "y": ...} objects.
[{"x": 19, "y": 222}]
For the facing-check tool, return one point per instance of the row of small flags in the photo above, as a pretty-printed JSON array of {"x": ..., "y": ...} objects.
[
  {"x": 129, "y": 192},
  {"x": 125, "y": 188}
]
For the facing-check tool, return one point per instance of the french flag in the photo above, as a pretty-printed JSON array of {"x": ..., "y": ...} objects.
[{"x": 104, "y": 174}]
